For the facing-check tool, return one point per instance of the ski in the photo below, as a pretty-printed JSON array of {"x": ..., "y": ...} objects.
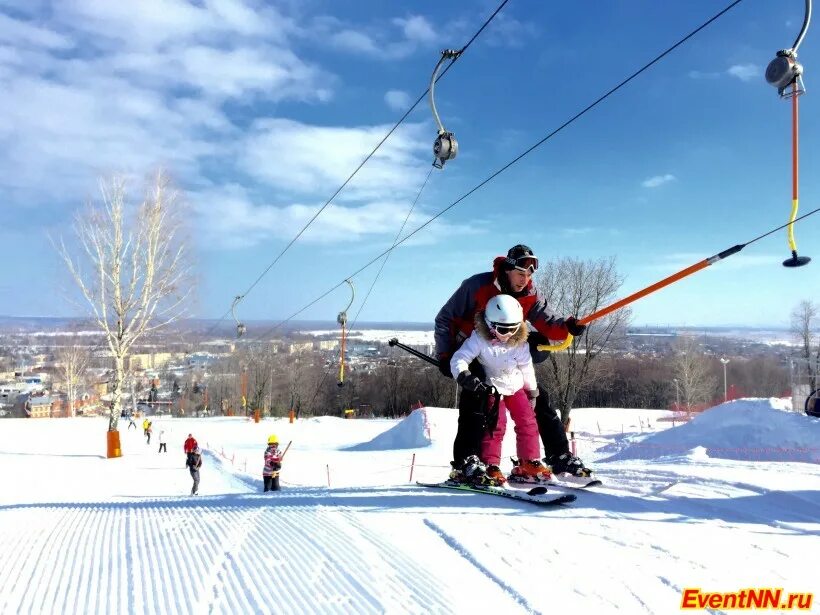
[
  {"x": 537, "y": 495},
  {"x": 574, "y": 482}
]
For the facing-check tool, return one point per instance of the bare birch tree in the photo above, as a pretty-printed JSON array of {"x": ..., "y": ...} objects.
[
  {"x": 693, "y": 370},
  {"x": 73, "y": 361},
  {"x": 137, "y": 282},
  {"x": 579, "y": 288},
  {"x": 804, "y": 328}
]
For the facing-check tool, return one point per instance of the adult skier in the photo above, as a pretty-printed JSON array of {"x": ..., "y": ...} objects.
[{"x": 511, "y": 275}]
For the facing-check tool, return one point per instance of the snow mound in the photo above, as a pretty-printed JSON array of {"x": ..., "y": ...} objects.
[
  {"x": 411, "y": 432},
  {"x": 743, "y": 429},
  {"x": 414, "y": 431}
]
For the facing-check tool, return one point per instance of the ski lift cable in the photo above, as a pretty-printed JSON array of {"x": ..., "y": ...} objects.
[
  {"x": 373, "y": 283},
  {"x": 675, "y": 277},
  {"x": 481, "y": 184},
  {"x": 368, "y": 157}
]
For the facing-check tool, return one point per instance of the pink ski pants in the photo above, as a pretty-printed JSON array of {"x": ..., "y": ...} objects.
[{"x": 527, "y": 445}]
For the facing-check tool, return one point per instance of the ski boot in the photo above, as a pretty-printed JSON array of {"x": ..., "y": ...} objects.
[
  {"x": 529, "y": 471},
  {"x": 471, "y": 471},
  {"x": 495, "y": 473},
  {"x": 568, "y": 464}
]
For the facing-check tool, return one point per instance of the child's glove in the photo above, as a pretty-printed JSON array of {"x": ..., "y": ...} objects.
[{"x": 471, "y": 383}]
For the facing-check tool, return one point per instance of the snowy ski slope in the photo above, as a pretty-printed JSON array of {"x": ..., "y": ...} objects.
[{"x": 82, "y": 534}]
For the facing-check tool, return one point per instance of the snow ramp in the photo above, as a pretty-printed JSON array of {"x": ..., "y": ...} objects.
[
  {"x": 417, "y": 430},
  {"x": 742, "y": 429}
]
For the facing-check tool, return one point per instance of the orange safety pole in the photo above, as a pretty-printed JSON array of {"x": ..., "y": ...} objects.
[
  {"x": 664, "y": 282},
  {"x": 342, "y": 357},
  {"x": 795, "y": 149},
  {"x": 646, "y": 291}
]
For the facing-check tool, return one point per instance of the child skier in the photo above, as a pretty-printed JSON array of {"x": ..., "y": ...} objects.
[
  {"x": 193, "y": 463},
  {"x": 273, "y": 464},
  {"x": 499, "y": 343}
]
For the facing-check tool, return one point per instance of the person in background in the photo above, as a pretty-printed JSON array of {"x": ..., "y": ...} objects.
[
  {"x": 194, "y": 463},
  {"x": 162, "y": 445},
  {"x": 273, "y": 464}
]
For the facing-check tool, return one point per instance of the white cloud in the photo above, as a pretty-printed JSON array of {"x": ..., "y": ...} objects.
[
  {"x": 745, "y": 72},
  {"x": 17, "y": 32},
  {"x": 380, "y": 41},
  {"x": 658, "y": 180},
  {"x": 398, "y": 100},
  {"x": 231, "y": 220},
  {"x": 314, "y": 160},
  {"x": 417, "y": 29},
  {"x": 352, "y": 40},
  {"x": 95, "y": 87}
]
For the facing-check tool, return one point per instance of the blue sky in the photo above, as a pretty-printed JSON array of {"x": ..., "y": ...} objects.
[{"x": 261, "y": 109}]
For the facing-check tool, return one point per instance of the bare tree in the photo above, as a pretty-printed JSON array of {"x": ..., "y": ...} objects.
[
  {"x": 804, "y": 328},
  {"x": 73, "y": 361},
  {"x": 137, "y": 282},
  {"x": 692, "y": 368},
  {"x": 576, "y": 287}
]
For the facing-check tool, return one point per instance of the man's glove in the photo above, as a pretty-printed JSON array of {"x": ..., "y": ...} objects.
[
  {"x": 535, "y": 340},
  {"x": 444, "y": 365},
  {"x": 574, "y": 327},
  {"x": 470, "y": 382},
  {"x": 532, "y": 397}
]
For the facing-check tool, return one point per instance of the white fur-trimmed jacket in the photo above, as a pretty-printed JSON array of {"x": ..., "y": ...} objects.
[{"x": 508, "y": 366}]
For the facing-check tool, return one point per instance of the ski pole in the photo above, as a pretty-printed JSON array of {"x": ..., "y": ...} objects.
[
  {"x": 286, "y": 450},
  {"x": 395, "y": 342}
]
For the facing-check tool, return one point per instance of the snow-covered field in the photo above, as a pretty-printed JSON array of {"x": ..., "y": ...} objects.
[{"x": 726, "y": 502}]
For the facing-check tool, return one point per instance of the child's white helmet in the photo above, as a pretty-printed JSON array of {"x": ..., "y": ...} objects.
[{"x": 503, "y": 314}]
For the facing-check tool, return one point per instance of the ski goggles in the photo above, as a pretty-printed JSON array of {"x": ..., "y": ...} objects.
[
  {"x": 527, "y": 264},
  {"x": 503, "y": 332}
]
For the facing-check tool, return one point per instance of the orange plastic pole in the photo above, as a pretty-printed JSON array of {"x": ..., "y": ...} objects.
[
  {"x": 646, "y": 291},
  {"x": 794, "y": 142},
  {"x": 342, "y": 358}
]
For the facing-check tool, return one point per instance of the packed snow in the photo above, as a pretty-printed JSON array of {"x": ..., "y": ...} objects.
[{"x": 681, "y": 507}]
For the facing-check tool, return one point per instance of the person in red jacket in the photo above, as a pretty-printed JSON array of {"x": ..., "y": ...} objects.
[
  {"x": 190, "y": 444},
  {"x": 511, "y": 275}
]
